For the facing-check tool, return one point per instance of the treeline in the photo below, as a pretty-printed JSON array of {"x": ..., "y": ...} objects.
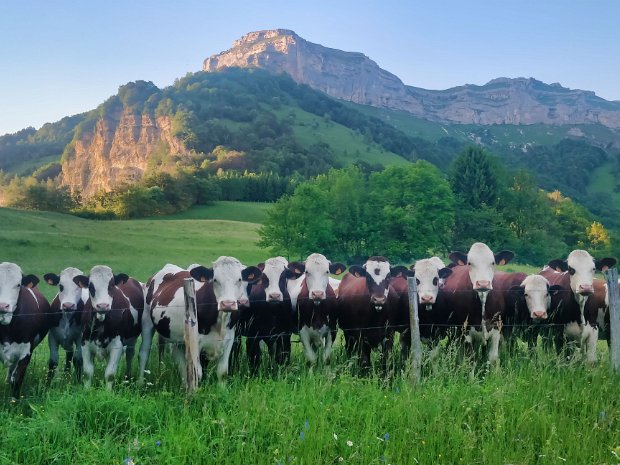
[{"x": 416, "y": 211}]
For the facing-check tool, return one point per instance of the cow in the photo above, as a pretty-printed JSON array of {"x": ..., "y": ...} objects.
[
  {"x": 269, "y": 318},
  {"x": 66, "y": 329},
  {"x": 111, "y": 320},
  {"x": 313, "y": 301},
  {"x": 577, "y": 273},
  {"x": 469, "y": 291},
  {"x": 218, "y": 298},
  {"x": 532, "y": 315},
  {"x": 368, "y": 308},
  {"x": 25, "y": 318}
]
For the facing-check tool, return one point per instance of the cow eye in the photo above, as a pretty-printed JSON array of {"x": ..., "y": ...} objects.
[
  {"x": 91, "y": 289},
  {"x": 571, "y": 271},
  {"x": 435, "y": 281},
  {"x": 239, "y": 279},
  {"x": 61, "y": 287},
  {"x": 417, "y": 281}
]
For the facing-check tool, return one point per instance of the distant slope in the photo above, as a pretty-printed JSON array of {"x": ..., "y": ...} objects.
[{"x": 246, "y": 212}]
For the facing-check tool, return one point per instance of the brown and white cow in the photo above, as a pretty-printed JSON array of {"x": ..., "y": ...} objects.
[
  {"x": 218, "y": 299},
  {"x": 314, "y": 304},
  {"x": 368, "y": 308},
  {"x": 111, "y": 320},
  {"x": 469, "y": 291},
  {"x": 577, "y": 273},
  {"x": 66, "y": 329},
  {"x": 24, "y": 321}
]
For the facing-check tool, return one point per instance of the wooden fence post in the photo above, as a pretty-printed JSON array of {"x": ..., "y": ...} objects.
[
  {"x": 190, "y": 336},
  {"x": 611, "y": 277},
  {"x": 414, "y": 326}
]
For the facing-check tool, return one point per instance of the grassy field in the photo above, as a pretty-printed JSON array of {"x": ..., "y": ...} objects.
[{"x": 535, "y": 408}]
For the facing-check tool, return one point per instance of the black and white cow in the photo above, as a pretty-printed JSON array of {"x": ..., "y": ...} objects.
[
  {"x": 218, "y": 298},
  {"x": 25, "y": 319},
  {"x": 314, "y": 303},
  {"x": 111, "y": 320},
  {"x": 66, "y": 330}
]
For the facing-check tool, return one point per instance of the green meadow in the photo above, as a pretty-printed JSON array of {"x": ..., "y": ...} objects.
[{"x": 535, "y": 408}]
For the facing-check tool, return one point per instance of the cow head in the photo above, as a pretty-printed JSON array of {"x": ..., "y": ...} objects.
[
  {"x": 581, "y": 268},
  {"x": 378, "y": 274},
  {"x": 537, "y": 293},
  {"x": 11, "y": 282},
  {"x": 429, "y": 275},
  {"x": 100, "y": 284},
  {"x": 230, "y": 282},
  {"x": 317, "y": 269},
  {"x": 69, "y": 293},
  {"x": 274, "y": 278},
  {"x": 481, "y": 261}
]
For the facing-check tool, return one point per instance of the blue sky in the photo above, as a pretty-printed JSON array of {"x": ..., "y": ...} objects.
[{"x": 60, "y": 57}]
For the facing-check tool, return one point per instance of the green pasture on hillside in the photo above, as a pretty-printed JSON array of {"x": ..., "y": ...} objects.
[{"x": 535, "y": 408}]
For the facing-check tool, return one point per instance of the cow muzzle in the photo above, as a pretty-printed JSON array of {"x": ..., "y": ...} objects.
[
  {"x": 6, "y": 314},
  {"x": 585, "y": 289},
  {"x": 426, "y": 299},
  {"x": 67, "y": 306},
  {"x": 102, "y": 310},
  {"x": 274, "y": 297},
  {"x": 539, "y": 315},
  {"x": 317, "y": 295},
  {"x": 243, "y": 302},
  {"x": 228, "y": 306},
  {"x": 482, "y": 286}
]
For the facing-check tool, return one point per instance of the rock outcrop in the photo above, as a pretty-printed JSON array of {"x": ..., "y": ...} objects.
[
  {"x": 354, "y": 77},
  {"x": 116, "y": 151}
]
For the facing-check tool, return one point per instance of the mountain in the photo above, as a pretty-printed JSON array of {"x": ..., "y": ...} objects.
[{"x": 354, "y": 77}]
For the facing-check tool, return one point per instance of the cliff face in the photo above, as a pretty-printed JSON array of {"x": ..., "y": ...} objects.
[
  {"x": 354, "y": 77},
  {"x": 116, "y": 151}
]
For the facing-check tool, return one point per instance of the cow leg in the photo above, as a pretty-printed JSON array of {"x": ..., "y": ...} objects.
[
  {"x": 89, "y": 367},
  {"x": 178, "y": 354},
  {"x": 283, "y": 350},
  {"x": 222, "y": 365},
  {"x": 77, "y": 360},
  {"x": 494, "y": 337},
  {"x": 405, "y": 345},
  {"x": 68, "y": 361},
  {"x": 115, "y": 353},
  {"x": 53, "y": 360},
  {"x": 304, "y": 336},
  {"x": 18, "y": 374},
  {"x": 327, "y": 351},
  {"x": 589, "y": 340},
  {"x": 252, "y": 346},
  {"x": 130, "y": 351},
  {"x": 146, "y": 333},
  {"x": 388, "y": 344}
]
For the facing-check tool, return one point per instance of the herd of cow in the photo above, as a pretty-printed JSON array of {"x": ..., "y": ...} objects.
[{"x": 102, "y": 314}]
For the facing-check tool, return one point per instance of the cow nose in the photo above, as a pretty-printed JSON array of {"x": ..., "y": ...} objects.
[
  {"x": 68, "y": 306},
  {"x": 378, "y": 300},
  {"x": 483, "y": 285},
  {"x": 539, "y": 314},
  {"x": 586, "y": 289},
  {"x": 103, "y": 306},
  {"x": 275, "y": 296},
  {"x": 4, "y": 307},
  {"x": 318, "y": 295},
  {"x": 228, "y": 305},
  {"x": 426, "y": 299},
  {"x": 243, "y": 302}
]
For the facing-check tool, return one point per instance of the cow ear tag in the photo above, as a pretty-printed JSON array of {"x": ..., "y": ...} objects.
[{"x": 250, "y": 276}]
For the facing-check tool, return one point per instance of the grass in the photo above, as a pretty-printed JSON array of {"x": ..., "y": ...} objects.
[{"x": 247, "y": 212}]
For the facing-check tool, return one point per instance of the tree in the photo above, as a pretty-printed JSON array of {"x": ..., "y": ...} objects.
[{"x": 474, "y": 178}]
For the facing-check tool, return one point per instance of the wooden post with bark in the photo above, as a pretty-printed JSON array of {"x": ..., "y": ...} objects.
[
  {"x": 190, "y": 336},
  {"x": 611, "y": 277},
  {"x": 414, "y": 327}
]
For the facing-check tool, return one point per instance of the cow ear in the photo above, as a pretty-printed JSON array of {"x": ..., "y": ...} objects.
[
  {"x": 30, "y": 281},
  {"x": 459, "y": 258},
  {"x": 553, "y": 290},
  {"x": 558, "y": 265},
  {"x": 517, "y": 290},
  {"x": 401, "y": 271},
  {"x": 81, "y": 280},
  {"x": 357, "y": 271},
  {"x": 503, "y": 257},
  {"x": 337, "y": 268},
  {"x": 261, "y": 266},
  {"x": 202, "y": 273},
  {"x": 251, "y": 274},
  {"x": 120, "y": 278},
  {"x": 295, "y": 270},
  {"x": 444, "y": 272},
  {"x": 51, "y": 278},
  {"x": 605, "y": 263}
]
